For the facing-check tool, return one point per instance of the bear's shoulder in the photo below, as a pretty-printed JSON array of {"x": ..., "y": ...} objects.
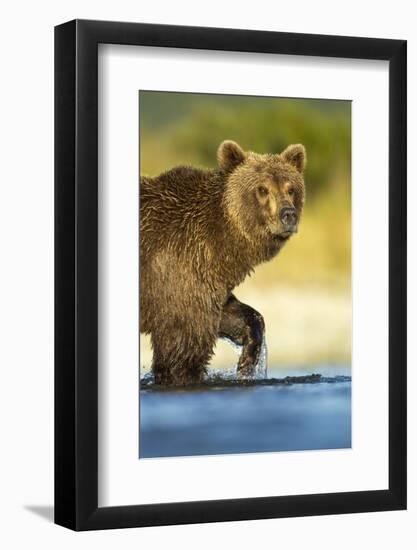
[{"x": 181, "y": 180}]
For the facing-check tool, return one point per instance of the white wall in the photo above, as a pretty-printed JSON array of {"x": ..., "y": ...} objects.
[{"x": 26, "y": 289}]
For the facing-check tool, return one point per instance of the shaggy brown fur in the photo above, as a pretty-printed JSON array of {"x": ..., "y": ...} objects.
[{"x": 201, "y": 233}]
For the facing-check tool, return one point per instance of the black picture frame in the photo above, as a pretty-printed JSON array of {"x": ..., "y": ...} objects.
[{"x": 76, "y": 272}]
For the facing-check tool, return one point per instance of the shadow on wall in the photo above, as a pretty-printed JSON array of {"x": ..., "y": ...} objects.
[{"x": 44, "y": 512}]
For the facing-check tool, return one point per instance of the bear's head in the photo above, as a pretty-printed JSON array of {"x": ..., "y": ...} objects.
[{"x": 264, "y": 194}]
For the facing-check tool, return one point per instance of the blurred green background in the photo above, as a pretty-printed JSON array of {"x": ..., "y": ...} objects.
[{"x": 304, "y": 293}]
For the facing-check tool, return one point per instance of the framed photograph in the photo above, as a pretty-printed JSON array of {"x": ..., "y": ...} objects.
[{"x": 230, "y": 255}]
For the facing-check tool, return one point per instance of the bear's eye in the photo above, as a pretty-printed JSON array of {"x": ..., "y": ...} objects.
[
  {"x": 262, "y": 190},
  {"x": 291, "y": 191}
]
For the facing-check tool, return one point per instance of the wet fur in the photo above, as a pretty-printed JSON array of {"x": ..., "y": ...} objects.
[{"x": 200, "y": 236}]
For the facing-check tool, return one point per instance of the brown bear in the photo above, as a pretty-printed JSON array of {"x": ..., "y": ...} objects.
[{"x": 201, "y": 233}]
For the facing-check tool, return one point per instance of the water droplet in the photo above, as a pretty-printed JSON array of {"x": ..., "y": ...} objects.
[{"x": 261, "y": 371}]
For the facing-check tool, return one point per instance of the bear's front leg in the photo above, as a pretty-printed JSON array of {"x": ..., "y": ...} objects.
[
  {"x": 244, "y": 326},
  {"x": 180, "y": 354}
]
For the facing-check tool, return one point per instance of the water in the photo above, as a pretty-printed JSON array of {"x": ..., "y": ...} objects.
[
  {"x": 261, "y": 371},
  {"x": 218, "y": 419}
]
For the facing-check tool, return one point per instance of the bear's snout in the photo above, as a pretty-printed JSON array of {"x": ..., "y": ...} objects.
[{"x": 288, "y": 217}]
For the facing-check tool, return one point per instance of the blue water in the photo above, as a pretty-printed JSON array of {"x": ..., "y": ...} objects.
[{"x": 220, "y": 420}]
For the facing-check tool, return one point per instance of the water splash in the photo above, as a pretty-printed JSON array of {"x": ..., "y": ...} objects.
[
  {"x": 261, "y": 372},
  {"x": 227, "y": 374},
  {"x": 261, "y": 368},
  {"x": 147, "y": 378},
  {"x": 230, "y": 374}
]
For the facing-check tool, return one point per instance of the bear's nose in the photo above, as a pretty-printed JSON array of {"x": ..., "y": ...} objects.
[{"x": 288, "y": 217}]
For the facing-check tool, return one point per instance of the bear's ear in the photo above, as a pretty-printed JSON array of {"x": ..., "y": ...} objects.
[
  {"x": 230, "y": 155},
  {"x": 295, "y": 155}
]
